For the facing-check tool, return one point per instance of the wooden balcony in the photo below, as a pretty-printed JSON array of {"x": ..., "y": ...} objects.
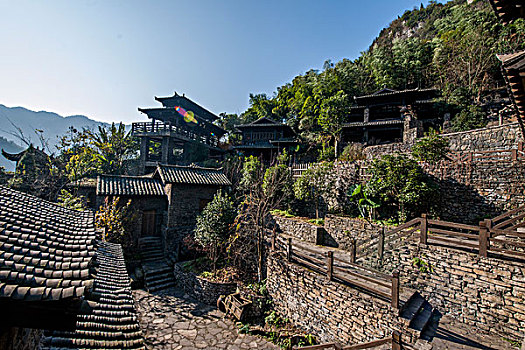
[{"x": 159, "y": 129}]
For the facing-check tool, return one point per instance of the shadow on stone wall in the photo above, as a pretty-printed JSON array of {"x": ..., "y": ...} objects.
[{"x": 461, "y": 203}]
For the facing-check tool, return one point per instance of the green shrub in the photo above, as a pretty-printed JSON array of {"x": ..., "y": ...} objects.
[
  {"x": 401, "y": 187},
  {"x": 431, "y": 148},
  {"x": 214, "y": 225},
  {"x": 472, "y": 117},
  {"x": 352, "y": 152}
]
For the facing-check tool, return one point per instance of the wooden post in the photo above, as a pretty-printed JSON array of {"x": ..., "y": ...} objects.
[
  {"x": 395, "y": 289},
  {"x": 469, "y": 159},
  {"x": 381, "y": 244},
  {"x": 483, "y": 239},
  {"x": 274, "y": 237},
  {"x": 353, "y": 251},
  {"x": 289, "y": 250},
  {"x": 329, "y": 265},
  {"x": 396, "y": 340},
  {"x": 424, "y": 229},
  {"x": 514, "y": 154}
]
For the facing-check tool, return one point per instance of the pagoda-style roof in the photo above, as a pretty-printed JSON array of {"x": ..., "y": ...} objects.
[
  {"x": 121, "y": 185},
  {"x": 513, "y": 66},
  {"x": 264, "y": 122},
  {"x": 15, "y": 157},
  {"x": 389, "y": 94},
  {"x": 192, "y": 175},
  {"x": 508, "y": 10},
  {"x": 170, "y": 115},
  {"x": 187, "y": 104}
]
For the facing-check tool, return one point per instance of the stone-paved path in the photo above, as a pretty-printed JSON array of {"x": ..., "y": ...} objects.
[
  {"x": 455, "y": 335},
  {"x": 172, "y": 320}
]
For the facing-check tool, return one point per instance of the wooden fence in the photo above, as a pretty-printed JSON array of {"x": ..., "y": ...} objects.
[
  {"x": 340, "y": 270},
  {"x": 502, "y": 236},
  {"x": 298, "y": 169},
  {"x": 394, "y": 341}
]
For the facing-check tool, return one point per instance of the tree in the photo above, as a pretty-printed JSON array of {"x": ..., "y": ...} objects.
[
  {"x": 264, "y": 191},
  {"x": 472, "y": 117},
  {"x": 314, "y": 184},
  {"x": 431, "y": 148},
  {"x": 214, "y": 226},
  {"x": 68, "y": 200},
  {"x": 334, "y": 110},
  {"x": 113, "y": 218},
  {"x": 400, "y": 186}
]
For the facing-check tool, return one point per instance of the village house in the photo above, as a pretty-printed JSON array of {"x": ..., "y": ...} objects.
[
  {"x": 61, "y": 286},
  {"x": 167, "y": 201},
  {"x": 174, "y": 128},
  {"x": 265, "y": 138},
  {"x": 391, "y": 116}
]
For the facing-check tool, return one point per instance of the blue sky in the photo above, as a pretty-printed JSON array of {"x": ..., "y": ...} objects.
[{"x": 105, "y": 58}]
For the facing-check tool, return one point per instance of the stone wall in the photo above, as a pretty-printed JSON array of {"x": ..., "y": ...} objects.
[
  {"x": 15, "y": 338},
  {"x": 185, "y": 204},
  {"x": 342, "y": 230},
  {"x": 200, "y": 288},
  {"x": 298, "y": 228},
  {"x": 329, "y": 310},
  {"x": 487, "y": 293},
  {"x": 470, "y": 192},
  {"x": 505, "y": 136}
]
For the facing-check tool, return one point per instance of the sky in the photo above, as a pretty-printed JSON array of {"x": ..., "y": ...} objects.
[{"x": 104, "y": 59}]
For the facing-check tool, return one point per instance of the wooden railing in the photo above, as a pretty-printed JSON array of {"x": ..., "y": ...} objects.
[
  {"x": 298, "y": 169},
  {"x": 159, "y": 128},
  {"x": 340, "y": 270},
  {"x": 394, "y": 341}
]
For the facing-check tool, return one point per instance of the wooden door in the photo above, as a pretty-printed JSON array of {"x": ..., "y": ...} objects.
[{"x": 149, "y": 223}]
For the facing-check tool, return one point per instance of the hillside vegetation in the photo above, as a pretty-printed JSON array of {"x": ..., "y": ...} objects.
[{"x": 449, "y": 46}]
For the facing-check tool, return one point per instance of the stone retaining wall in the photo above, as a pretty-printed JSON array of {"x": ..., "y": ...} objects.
[
  {"x": 329, "y": 310},
  {"x": 298, "y": 228},
  {"x": 487, "y": 293},
  {"x": 342, "y": 230},
  {"x": 505, "y": 136},
  {"x": 200, "y": 288}
]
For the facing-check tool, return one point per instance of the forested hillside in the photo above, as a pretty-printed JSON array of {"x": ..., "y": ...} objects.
[{"x": 449, "y": 46}]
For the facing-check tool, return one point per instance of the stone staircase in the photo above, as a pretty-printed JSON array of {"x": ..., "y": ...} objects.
[
  {"x": 158, "y": 274},
  {"x": 420, "y": 317}
]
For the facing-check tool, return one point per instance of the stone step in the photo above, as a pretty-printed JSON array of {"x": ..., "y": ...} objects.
[
  {"x": 411, "y": 308},
  {"x": 152, "y": 278},
  {"x": 430, "y": 330},
  {"x": 153, "y": 269},
  {"x": 422, "y": 318},
  {"x": 161, "y": 286},
  {"x": 160, "y": 282},
  {"x": 152, "y": 255},
  {"x": 153, "y": 259}
]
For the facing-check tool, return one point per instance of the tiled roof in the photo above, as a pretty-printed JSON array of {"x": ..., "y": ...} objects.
[
  {"x": 45, "y": 249},
  {"x": 112, "y": 322},
  {"x": 192, "y": 175},
  {"x": 113, "y": 185},
  {"x": 389, "y": 92}
]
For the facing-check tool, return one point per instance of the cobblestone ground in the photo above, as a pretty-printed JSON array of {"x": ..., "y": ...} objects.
[{"x": 172, "y": 320}]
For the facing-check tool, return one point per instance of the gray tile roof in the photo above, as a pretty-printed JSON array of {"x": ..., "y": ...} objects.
[
  {"x": 192, "y": 175},
  {"x": 112, "y": 321},
  {"x": 113, "y": 185},
  {"x": 45, "y": 249}
]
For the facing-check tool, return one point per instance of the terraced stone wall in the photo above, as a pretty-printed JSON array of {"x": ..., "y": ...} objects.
[
  {"x": 505, "y": 136},
  {"x": 329, "y": 310},
  {"x": 298, "y": 228},
  {"x": 487, "y": 293},
  {"x": 342, "y": 230},
  {"x": 15, "y": 338}
]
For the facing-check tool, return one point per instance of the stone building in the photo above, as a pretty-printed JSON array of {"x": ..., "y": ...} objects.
[
  {"x": 265, "y": 138},
  {"x": 167, "y": 201},
  {"x": 391, "y": 116},
  {"x": 175, "y": 132},
  {"x": 60, "y": 285}
]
